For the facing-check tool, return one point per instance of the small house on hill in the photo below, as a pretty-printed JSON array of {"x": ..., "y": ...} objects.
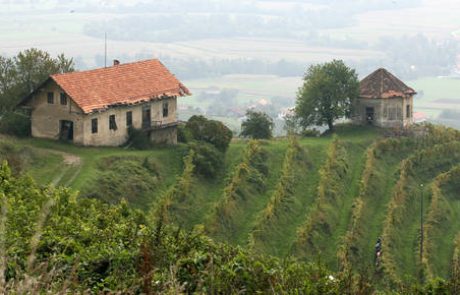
[
  {"x": 384, "y": 101},
  {"x": 97, "y": 107}
]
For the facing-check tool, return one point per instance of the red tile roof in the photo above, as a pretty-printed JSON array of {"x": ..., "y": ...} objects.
[
  {"x": 383, "y": 84},
  {"x": 128, "y": 83}
]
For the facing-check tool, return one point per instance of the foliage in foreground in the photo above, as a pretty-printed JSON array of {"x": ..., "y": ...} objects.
[{"x": 52, "y": 240}]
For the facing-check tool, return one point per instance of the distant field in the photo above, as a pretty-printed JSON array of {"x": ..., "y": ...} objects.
[
  {"x": 437, "y": 94},
  {"x": 251, "y": 87},
  {"x": 61, "y": 30},
  {"x": 438, "y": 19}
]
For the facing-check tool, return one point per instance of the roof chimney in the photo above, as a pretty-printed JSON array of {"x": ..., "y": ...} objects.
[{"x": 116, "y": 62}]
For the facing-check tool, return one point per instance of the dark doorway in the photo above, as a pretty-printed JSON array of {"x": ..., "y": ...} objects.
[
  {"x": 66, "y": 130},
  {"x": 146, "y": 117},
  {"x": 370, "y": 115}
]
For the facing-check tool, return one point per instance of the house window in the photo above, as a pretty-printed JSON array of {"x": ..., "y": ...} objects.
[
  {"x": 63, "y": 98},
  {"x": 408, "y": 114},
  {"x": 112, "y": 123},
  {"x": 165, "y": 109},
  {"x": 94, "y": 125},
  {"x": 50, "y": 97},
  {"x": 129, "y": 119}
]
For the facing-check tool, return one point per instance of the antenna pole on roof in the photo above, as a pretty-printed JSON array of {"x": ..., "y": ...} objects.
[{"x": 105, "y": 49}]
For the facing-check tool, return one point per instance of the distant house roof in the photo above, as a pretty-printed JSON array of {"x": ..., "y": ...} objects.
[
  {"x": 383, "y": 84},
  {"x": 121, "y": 84}
]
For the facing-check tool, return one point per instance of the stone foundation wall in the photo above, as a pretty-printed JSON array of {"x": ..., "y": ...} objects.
[{"x": 166, "y": 135}]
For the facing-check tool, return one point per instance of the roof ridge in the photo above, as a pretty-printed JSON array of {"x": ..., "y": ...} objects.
[
  {"x": 121, "y": 65},
  {"x": 381, "y": 83}
]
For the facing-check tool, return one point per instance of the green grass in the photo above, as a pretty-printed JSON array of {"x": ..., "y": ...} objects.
[
  {"x": 378, "y": 189},
  {"x": 207, "y": 192},
  {"x": 442, "y": 223},
  {"x": 276, "y": 235},
  {"x": 44, "y": 160},
  {"x": 402, "y": 231}
]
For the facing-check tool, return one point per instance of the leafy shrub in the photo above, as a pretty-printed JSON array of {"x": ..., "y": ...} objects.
[
  {"x": 210, "y": 131},
  {"x": 311, "y": 133},
  {"x": 207, "y": 159},
  {"x": 258, "y": 125},
  {"x": 183, "y": 134},
  {"x": 16, "y": 124}
]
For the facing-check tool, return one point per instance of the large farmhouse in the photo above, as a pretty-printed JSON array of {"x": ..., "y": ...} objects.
[
  {"x": 384, "y": 101},
  {"x": 97, "y": 107}
]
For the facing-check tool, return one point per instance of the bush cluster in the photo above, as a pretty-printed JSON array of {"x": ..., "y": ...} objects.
[
  {"x": 15, "y": 123},
  {"x": 211, "y": 131}
]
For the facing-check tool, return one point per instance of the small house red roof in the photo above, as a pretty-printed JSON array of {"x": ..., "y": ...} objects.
[
  {"x": 121, "y": 84},
  {"x": 383, "y": 84}
]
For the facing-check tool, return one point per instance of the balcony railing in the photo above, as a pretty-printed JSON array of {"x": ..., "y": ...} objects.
[{"x": 157, "y": 124}]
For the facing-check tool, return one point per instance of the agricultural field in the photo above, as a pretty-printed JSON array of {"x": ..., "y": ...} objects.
[
  {"x": 437, "y": 94},
  {"x": 326, "y": 198}
]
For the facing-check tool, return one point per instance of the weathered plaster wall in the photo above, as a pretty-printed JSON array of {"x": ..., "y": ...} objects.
[
  {"x": 387, "y": 112},
  {"x": 107, "y": 137},
  {"x": 164, "y": 136},
  {"x": 46, "y": 117}
]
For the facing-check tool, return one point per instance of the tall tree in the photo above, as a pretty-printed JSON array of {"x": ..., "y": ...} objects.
[
  {"x": 327, "y": 94},
  {"x": 21, "y": 74},
  {"x": 8, "y": 81}
]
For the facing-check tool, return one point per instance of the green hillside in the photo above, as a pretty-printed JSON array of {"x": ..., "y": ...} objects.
[{"x": 320, "y": 199}]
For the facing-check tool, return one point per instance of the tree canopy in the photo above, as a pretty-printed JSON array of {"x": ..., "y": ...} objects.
[
  {"x": 211, "y": 131},
  {"x": 327, "y": 94},
  {"x": 258, "y": 125},
  {"x": 21, "y": 74}
]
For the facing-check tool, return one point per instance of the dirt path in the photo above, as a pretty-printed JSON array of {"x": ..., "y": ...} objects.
[{"x": 70, "y": 169}]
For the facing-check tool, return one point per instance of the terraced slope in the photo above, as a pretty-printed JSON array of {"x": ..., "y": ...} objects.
[
  {"x": 442, "y": 226},
  {"x": 328, "y": 219},
  {"x": 379, "y": 176},
  {"x": 246, "y": 193},
  {"x": 326, "y": 198},
  {"x": 275, "y": 226},
  {"x": 401, "y": 231}
]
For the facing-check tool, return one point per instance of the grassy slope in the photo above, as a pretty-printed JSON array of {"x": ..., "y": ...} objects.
[
  {"x": 44, "y": 162},
  {"x": 443, "y": 223},
  {"x": 82, "y": 177},
  {"x": 405, "y": 234},
  {"x": 207, "y": 192},
  {"x": 335, "y": 220},
  {"x": 277, "y": 235},
  {"x": 374, "y": 202},
  {"x": 246, "y": 201}
]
